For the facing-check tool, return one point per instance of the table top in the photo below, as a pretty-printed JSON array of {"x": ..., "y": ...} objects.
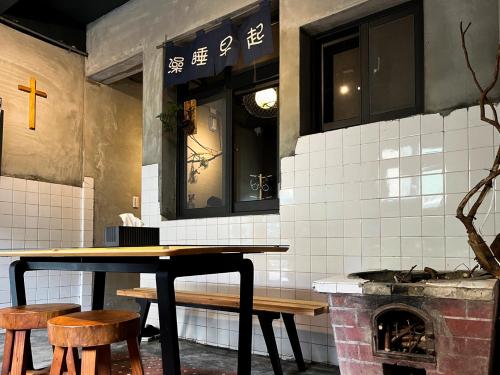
[{"x": 144, "y": 251}]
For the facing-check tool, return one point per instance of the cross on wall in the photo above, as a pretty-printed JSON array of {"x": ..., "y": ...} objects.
[{"x": 33, "y": 94}]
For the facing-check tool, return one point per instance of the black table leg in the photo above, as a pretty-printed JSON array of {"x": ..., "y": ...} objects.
[
  {"x": 17, "y": 288},
  {"x": 99, "y": 285},
  {"x": 246, "y": 312},
  {"x": 168, "y": 323}
]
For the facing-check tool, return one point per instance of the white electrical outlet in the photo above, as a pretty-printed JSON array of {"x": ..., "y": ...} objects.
[{"x": 135, "y": 201}]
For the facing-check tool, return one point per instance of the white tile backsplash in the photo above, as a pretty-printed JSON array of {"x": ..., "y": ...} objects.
[
  {"x": 37, "y": 214},
  {"x": 380, "y": 195}
]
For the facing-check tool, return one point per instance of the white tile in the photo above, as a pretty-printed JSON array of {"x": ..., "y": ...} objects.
[
  {"x": 351, "y": 136},
  {"x": 390, "y": 227},
  {"x": 370, "y": 152},
  {"x": 433, "y": 204},
  {"x": 409, "y": 166},
  {"x": 411, "y": 226},
  {"x": 409, "y": 186},
  {"x": 317, "y": 141},
  {"x": 455, "y": 140},
  {"x": 433, "y": 226},
  {"x": 456, "y": 182},
  {"x": 432, "y": 184},
  {"x": 481, "y": 136},
  {"x": 409, "y": 146},
  {"x": 370, "y": 133},
  {"x": 456, "y": 161},
  {"x": 389, "y": 188},
  {"x": 390, "y": 207},
  {"x": 389, "y": 130},
  {"x": 432, "y": 163},
  {"x": 456, "y": 120},
  {"x": 409, "y": 126},
  {"x": 432, "y": 123},
  {"x": 481, "y": 158},
  {"x": 389, "y": 149},
  {"x": 333, "y": 139},
  {"x": 431, "y": 143},
  {"x": 351, "y": 154},
  {"x": 389, "y": 168}
]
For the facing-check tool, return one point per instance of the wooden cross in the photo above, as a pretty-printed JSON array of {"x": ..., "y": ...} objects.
[{"x": 33, "y": 94}]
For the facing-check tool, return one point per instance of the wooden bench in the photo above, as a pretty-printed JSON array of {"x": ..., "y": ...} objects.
[{"x": 267, "y": 309}]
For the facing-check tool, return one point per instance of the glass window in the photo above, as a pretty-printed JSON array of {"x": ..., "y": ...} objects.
[
  {"x": 392, "y": 65},
  {"x": 371, "y": 70},
  {"x": 342, "y": 80},
  {"x": 255, "y": 134},
  {"x": 205, "y": 154}
]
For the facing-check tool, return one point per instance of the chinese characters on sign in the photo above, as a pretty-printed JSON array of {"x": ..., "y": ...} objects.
[{"x": 210, "y": 53}]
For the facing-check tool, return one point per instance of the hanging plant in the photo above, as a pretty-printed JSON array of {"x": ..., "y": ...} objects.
[{"x": 169, "y": 117}]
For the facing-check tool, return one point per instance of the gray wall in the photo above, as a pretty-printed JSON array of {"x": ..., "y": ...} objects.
[
  {"x": 53, "y": 152},
  {"x": 113, "y": 156}
]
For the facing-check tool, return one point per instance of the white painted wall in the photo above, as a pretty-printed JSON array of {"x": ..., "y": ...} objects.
[
  {"x": 43, "y": 215},
  {"x": 380, "y": 195}
]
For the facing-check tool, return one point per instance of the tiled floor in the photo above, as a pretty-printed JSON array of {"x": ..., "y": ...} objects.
[{"x": 194, "y": 357}]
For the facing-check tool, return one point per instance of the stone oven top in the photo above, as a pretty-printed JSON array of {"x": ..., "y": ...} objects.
[{"x": 480, "y": 287}]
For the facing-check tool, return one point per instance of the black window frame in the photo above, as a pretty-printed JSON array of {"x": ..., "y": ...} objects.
[
  {"x": 362, "y": 27},
  {"x": 228, "y": 85}
]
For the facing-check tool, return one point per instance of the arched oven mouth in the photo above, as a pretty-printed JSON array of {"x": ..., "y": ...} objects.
[{"x": 401, "y": 331}]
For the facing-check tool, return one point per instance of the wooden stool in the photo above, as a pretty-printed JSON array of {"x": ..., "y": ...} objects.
[
  {"x": 18, "y": 323},
  {"x": 93, "y": 331}
]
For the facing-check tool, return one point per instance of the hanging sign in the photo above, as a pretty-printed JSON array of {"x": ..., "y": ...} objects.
[
  {"x": 177, "y": 64},
  {"x": 202, "y": 57},
  {"x": 256, "y": 35},
  {"x": 210, "y": 53},
  {"x": 226, "y": 46}
]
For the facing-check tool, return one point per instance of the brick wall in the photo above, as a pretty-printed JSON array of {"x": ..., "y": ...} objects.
[{"x": 463, "y": 334}]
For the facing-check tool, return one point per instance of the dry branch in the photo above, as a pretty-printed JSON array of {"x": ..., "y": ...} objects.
[{"x": 488, "y": 257}]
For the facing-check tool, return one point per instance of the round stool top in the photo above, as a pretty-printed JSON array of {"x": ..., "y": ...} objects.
[
  {"x": 93, "y": 328},
  {"x": 33, "y": 316}
]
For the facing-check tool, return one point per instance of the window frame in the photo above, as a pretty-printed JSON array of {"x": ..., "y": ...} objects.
[
  {"x": 260, "y": 76},
  {"x": 362, "y": 26}
]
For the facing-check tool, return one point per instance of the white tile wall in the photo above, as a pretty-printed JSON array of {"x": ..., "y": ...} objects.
[
  {"x": 380, "y": 195},
  {"x": 35, "y": 215}
]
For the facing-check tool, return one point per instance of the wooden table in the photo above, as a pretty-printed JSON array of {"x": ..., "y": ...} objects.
[{"x": 167, "y": 263}]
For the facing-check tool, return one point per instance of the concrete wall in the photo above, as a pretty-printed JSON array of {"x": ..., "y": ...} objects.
[
  {"x": 113, "y": 155},
  {"x": 53, "y": 152}
]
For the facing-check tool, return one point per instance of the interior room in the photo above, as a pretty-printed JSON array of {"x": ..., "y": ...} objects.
[{"x": 249, "y": 187}]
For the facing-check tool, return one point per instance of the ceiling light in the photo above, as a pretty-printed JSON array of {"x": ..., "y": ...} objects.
[{"x": 266, "y": 99}]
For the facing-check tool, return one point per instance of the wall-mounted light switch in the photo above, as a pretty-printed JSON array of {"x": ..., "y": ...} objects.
[{"x": 135, "y": 201}]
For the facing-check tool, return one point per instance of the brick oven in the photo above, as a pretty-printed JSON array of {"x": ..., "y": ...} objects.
[{"x": 434, "y": 327}]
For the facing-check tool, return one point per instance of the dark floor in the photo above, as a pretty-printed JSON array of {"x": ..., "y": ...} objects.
[{"x": 193, "y": 356}]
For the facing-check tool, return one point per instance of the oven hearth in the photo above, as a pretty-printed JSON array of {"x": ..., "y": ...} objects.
[{"x": 425, "y": 326}]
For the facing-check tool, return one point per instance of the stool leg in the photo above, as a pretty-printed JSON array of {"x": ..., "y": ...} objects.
[
  {"x": 18, "y": 357},
  {"x": 89, "y": 356},
  {"x": 104, "y": 360},
  {"x": 135, "y": 356},
  {"x": 72, "y": 361},
  {"x": 7, "y": 352},
  {"x": 58, "y": 360}
]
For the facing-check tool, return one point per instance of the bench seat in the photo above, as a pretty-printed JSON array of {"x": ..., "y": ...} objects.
[{"x": 267, "y": 309}]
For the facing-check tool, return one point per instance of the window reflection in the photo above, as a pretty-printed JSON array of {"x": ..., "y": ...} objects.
[
  {"x": 255, "y": 124},
  {"x": 204, "y": 156}
]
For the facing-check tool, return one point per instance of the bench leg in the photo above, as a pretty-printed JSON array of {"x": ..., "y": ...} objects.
[
  {"x": 144, "y": 305},
  {"x": 291, "y": 330},
  {"x": 266, "y": 324}
]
